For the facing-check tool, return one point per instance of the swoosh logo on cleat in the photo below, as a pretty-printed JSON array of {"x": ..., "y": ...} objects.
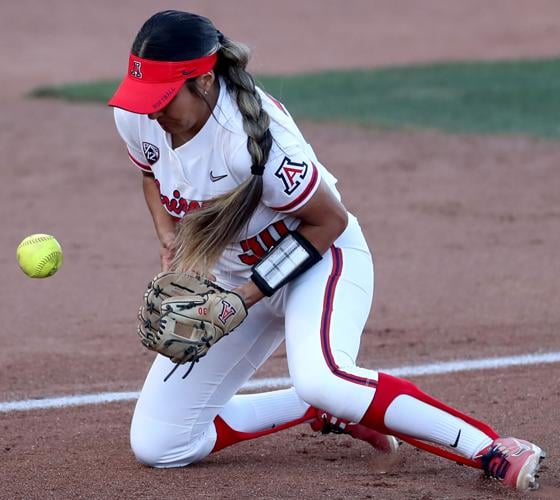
[
  {"x": 215, "y": 178},
  {"x": 456, "y": 443},
  {"x": 522, "y": 449}
]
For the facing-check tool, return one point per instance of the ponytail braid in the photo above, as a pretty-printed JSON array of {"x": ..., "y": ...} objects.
[
  {"x": 203, "y": 234},
  {"x": 256, "y": 121}
]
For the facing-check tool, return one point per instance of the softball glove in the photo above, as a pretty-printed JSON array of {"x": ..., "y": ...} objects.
[{"x": 183, "y": 315}]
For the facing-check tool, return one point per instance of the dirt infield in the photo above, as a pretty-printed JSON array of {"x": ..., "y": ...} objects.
[{"x": 465, "y": 232}]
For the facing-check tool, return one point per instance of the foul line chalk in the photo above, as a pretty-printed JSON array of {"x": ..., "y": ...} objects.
[{"x": 275, "y": 383}]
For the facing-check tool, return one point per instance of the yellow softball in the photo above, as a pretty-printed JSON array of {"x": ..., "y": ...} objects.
[{"x": 39, "y": 255}]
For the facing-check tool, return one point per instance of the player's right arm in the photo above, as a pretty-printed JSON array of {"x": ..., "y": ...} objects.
[{"x": 164, "y": 223}]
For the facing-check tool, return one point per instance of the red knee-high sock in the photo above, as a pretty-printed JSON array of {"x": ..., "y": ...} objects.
[
  {"x": 228, "y": 436},
  {"x": 389, "y": 388}
]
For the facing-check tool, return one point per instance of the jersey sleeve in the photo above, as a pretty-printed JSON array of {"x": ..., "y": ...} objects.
[
  {"x": 290, "y": 179},
  {"x": 291, "y": 176},
  {"x": 127, "y": 126}
]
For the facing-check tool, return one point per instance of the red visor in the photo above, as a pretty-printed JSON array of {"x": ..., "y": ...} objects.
[{"x": 150, "y": 85}]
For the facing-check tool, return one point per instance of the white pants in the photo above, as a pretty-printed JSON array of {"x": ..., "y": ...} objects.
[{"x": 320, "y": 316}]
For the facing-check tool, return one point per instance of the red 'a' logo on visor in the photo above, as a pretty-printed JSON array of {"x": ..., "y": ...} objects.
[{"x": 137, "y": 70}]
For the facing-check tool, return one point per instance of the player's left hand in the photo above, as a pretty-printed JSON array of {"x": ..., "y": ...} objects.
[{"x": 183, "y": 315}]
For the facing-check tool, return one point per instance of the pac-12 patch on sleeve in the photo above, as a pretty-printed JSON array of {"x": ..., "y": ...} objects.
[
  {"x": 297, "y": 180},
  {"x": 151, "y": 152}
]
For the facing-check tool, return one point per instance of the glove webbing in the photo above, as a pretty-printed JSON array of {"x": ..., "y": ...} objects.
[
  {"x": 148, "y": 324},
  {"x": 203, "y": 341}
]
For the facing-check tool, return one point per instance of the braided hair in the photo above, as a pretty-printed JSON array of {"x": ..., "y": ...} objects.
[{"x": 203, "y": 234}]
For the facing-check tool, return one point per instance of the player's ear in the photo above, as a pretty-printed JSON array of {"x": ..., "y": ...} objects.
[{"x": 206, "y": 81}]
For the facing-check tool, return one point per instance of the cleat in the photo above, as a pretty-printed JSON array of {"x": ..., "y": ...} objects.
[
  {"x": 512, "y": 461},
  {"x": 326, "y": 423}
]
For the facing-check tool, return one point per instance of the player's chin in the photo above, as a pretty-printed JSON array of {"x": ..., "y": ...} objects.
[{"x": 168, "y": 126}]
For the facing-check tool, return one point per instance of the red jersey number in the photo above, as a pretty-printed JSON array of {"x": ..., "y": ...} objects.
[{"x": 254, "y": 248}]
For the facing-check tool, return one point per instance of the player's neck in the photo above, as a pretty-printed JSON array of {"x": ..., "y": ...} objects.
[{"x": 178, "y": 140}]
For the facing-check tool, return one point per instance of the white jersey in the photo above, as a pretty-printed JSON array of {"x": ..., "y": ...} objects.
[{"x": 216, "y": 160}]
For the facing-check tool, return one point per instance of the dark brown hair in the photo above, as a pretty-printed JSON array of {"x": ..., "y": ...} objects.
[{"x": 203, "y": 234}]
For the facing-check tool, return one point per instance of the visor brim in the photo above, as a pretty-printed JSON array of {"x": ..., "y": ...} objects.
[{"x": 143, "y": 98}]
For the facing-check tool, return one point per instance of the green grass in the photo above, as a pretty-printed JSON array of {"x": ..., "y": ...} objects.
[
  {"x": 98, "y": 91},
  {"x": 513, "y": 97}
]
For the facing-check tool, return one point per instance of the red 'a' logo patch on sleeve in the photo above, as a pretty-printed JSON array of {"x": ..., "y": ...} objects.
[{"x": 291, "y": 174}]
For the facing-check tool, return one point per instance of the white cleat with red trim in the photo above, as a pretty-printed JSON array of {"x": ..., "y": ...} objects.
[
  {"x": 326, "y": 423},
  {"x": 512, "y": 461}
]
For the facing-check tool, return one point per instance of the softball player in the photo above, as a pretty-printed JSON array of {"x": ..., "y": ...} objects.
[{"x": 235, "y": 190}]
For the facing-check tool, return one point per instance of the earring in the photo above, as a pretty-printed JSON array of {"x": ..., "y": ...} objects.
[{"x": 205, "y": 92}]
